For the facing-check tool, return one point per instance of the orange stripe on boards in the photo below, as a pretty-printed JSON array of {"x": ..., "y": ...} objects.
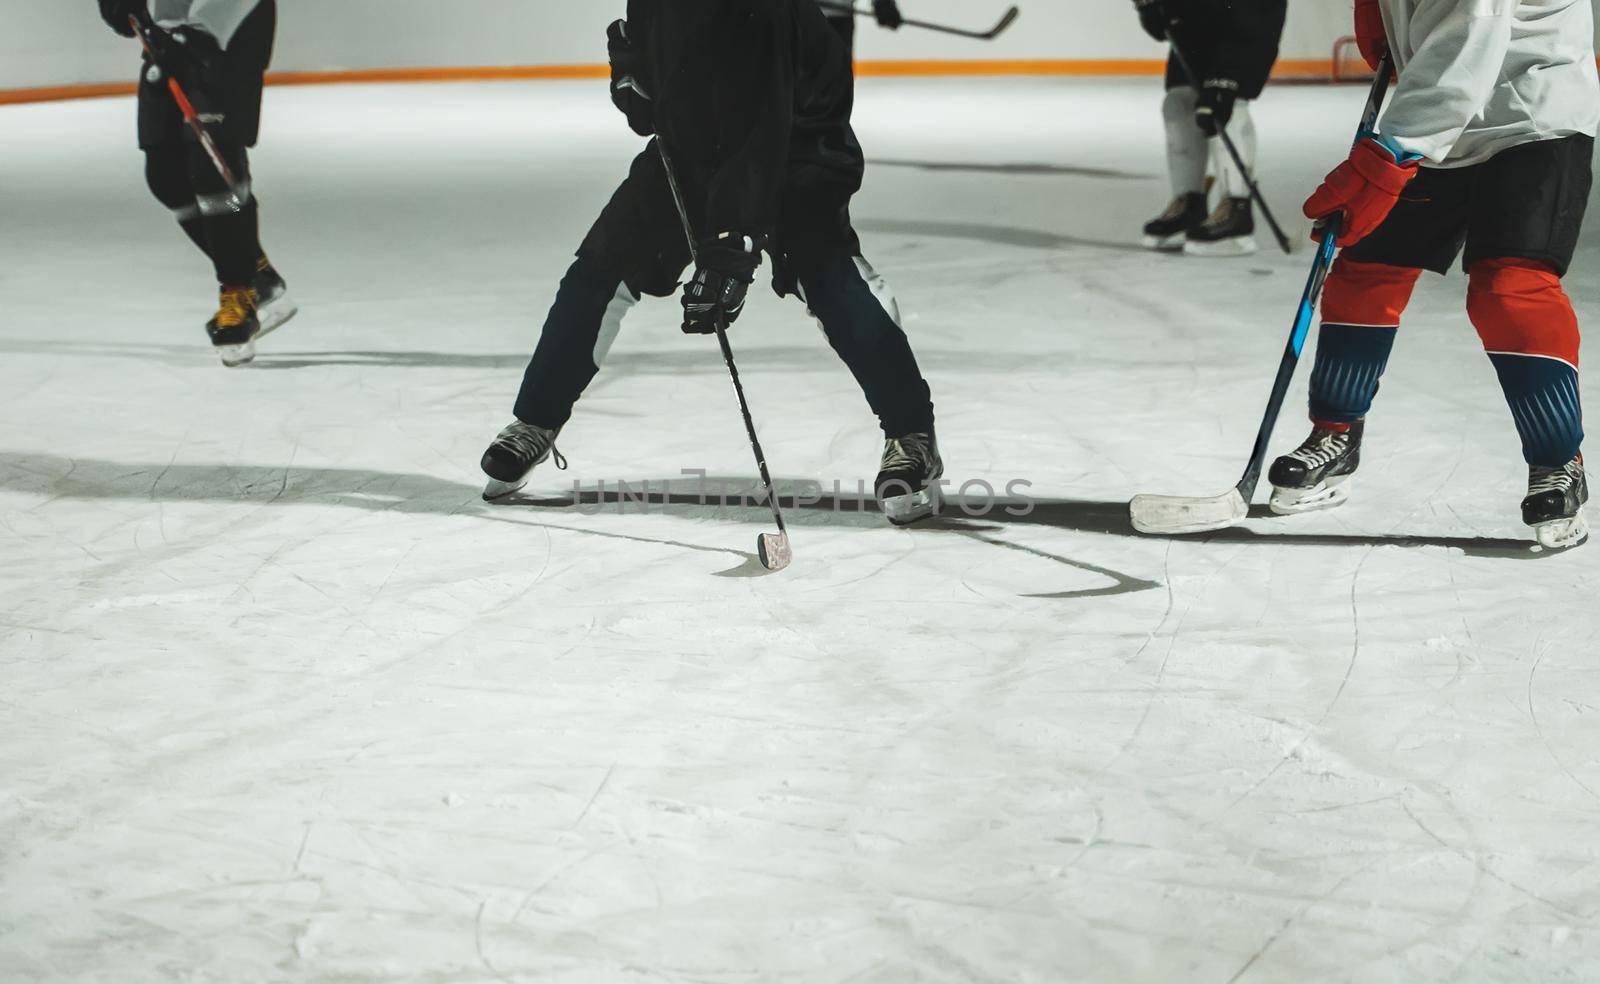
[
  {"x": 1288, "y": 68},
  {"x": 1011, "y": 66},
  {"x": 487, "y": 73},
  {"x": 57, "y": 93}
]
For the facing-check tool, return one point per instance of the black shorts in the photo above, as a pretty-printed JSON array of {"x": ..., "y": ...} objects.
[
  {"x": 639, "y": 236},
  {"x": 225, "y": 89},
  {"x": 1527, "y": 202},
  {"x": 1218, "y": 39}
]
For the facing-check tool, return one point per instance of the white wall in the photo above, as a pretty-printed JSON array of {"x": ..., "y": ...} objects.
[{"x": 64, "y": 41}]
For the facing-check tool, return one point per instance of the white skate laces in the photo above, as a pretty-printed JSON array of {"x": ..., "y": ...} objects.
[
  {"x": 532, "y": 443},
  {"x": 1542, "y": 479},
  {"x": 907, "y": 453},
  {"x": 1321, "y": 448}
]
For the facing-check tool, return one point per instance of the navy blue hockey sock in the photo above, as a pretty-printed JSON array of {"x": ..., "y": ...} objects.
[
  {"x": 1350, "y": 362},
  {"x": 1543, "y": 395}
]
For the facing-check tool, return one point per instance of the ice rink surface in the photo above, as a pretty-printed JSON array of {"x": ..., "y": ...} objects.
[{"x": 282, "y": 700}]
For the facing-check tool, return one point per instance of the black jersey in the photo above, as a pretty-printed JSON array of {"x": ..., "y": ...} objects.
[{"x": 753, "y": 101}]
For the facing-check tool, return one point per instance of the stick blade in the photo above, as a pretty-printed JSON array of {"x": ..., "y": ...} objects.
[
  {"x": 774, "y": 551},
  {"x": 1005, "y": 23},
  {"x": 1173, "y": 515}
]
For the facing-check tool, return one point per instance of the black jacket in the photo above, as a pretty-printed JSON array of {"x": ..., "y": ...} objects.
[{"x": 753, "y": 101}]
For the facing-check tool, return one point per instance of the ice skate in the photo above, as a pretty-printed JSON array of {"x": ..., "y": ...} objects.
[
  {"x": 1554, "y": 506},
  {"x": 1228, "y": 231},
  {"x": 910, "y": 466},
  {"x": 1169, "y": 230},
  {"x": 234, "y": 329},
  {"x": 518, "y": 450},
  {"x": 274, "y": 307},
  {"x": 1317, "y": 474}
]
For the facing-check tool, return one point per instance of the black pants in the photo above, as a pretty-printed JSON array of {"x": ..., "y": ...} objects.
[
  {"x": 225, "y": 88},
  {"x": 637, "y": 247}
]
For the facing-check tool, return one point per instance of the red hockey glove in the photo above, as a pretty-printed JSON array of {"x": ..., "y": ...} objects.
[
  {"x": 1365, "y": 188},
  {"x": 1371, "y": 37}
]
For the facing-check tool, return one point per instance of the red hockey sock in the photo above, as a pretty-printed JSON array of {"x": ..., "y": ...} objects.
[
  {"x": 1531, "y": 333},
  {"x": 1361, "y": 308},
  {"x": 1519, "y": 308},
  {"x": 1367, "y": 295}
]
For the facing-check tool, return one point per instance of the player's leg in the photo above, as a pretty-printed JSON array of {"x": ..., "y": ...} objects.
[
  {"x": 1186, "y": 167},
  {"x": 860, "y": 316},
  {"x": 228, "y": 228},
  {"x": 1366, "y": 293},
  {"x": 1230, "y": 229},
  {"x": 249, "y": 56},
  {"x": 634, "y": 248},
  {"x": 1527, "y": 215}
]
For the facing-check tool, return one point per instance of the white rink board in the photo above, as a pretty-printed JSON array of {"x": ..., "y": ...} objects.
[{"x": 283, "y": 701}]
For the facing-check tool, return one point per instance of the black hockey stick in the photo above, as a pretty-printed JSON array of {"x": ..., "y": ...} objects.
[
  {"x": 1182, "y": 514},
  {"x": 1238, "y": 158},
  {"x": 773, "y": 549},
  {"x": 192, "y": 118},
  {"x": 1006, "y": 20}
]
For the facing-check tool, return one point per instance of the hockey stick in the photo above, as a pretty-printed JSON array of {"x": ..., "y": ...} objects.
[
  {"x": 1164, "y": 514},
  {"x": 772, "y": 548},
  {"x": 1006, "y": 20},
  {"x": 1238, "y": 158},
  {"x": 192, "y": 118}
]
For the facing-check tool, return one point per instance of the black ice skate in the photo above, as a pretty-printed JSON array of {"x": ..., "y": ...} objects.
[
  {"x": 910, "y": 466},
  {"x": 234, "y": 329},
  {"x": 518, "y": 450},
  {"x": 1554, "y": 506},
  {"x": 273, "y": 306},
  {"x": 1317, "y": 474},
  {"x": 1171, "y": 228},
  {"x": 1228, "y": 231}
]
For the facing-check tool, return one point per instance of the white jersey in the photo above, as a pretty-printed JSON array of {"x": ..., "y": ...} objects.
[
  {"x": 1481, "y": 76},
  {"x": 218, "y": 18}
]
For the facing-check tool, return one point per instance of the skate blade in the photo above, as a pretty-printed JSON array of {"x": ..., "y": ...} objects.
[
  {"x": 1563, "y": 534},
  {"x": 1165, "y": 244},
  {"x": 1175, "y": 515},
  {"x": 1237, "y": 246},
  {"x": 496, "y": 490},
  {"x": 903, "y": 510},
  {"x": 234, "y": 356},
  {"x": 276, "y": 315},
  {"x": 1330, "y": 494}
]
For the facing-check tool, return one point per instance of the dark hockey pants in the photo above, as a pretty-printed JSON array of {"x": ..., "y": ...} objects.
[
  {"x": 183, "y": 178},
  {"x": 225, "y": 89},
  {"x": 592, "y": 300}
]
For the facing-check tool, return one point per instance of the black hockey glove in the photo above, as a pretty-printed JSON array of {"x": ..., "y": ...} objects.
[
  {"x": 116, "y": 13},
  {"x": 1215, "y": 108},
  {"x": 888, "y": 14},
  {"x": 1153, "y": 18},
  {"x": 721, "y": 282},
  {"x": 628, "y": 93},
  {"x": 188, "y": 54}
]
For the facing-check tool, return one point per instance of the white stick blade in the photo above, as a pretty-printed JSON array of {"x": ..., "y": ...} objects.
[
  {"x": 774, "y": 551},
  {"x": 1175, "y": 514}
]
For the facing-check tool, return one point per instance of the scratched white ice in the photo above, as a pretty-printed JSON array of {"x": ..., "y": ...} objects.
[{"x": 284, "y": 701}]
